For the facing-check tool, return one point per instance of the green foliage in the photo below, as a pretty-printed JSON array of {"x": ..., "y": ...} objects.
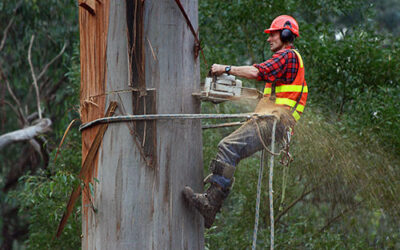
[
  {"x": 42, "y": 196},
  {"x": 358, "y": 80},
  {"x": 42, "y": 202},
  {"x": 41, "y": 193}
]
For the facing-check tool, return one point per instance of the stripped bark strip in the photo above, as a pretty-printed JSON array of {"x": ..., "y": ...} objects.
[
  {"x": 87, "y": 167},
  {"x": 89, "y": 5},
  {"x": 196, "y": 38},
  {"x": 63, "y": 138},
  {"x": 178, "y": 2}
]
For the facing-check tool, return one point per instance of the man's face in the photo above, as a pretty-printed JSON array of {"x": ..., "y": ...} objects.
[{"x": 275, "y": 41}]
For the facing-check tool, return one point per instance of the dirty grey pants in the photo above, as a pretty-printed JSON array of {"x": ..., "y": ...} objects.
[{"x": 245, "y": 141}]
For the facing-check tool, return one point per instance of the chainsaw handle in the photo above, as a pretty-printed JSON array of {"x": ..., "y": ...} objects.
[{"x": 214, "y": 77}]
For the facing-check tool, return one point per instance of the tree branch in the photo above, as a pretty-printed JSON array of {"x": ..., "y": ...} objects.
[
  {"x": 301, "y": 197},
  {"x": 36, "y": 146},
  {"x": 20, "y": 111},
  {"x": 343, "y": 212},
  {"x": 26, "y": 133},
  {"x": 46, "y": 67},
  {"x": 2, "y": 76},
  {"x": 3, "y": 40},
  {"x": 26, "y": 160},
  {"x": 5, "y": 32},
  {"x": 34, "y": 77},
  {"x": 11, "y": 106}
]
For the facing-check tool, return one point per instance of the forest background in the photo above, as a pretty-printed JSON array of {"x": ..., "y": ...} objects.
[{"x": 342, "y": 188}]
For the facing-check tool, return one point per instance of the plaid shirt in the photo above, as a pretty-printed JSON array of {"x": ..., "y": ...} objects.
[{"x": 283, "y": 66}]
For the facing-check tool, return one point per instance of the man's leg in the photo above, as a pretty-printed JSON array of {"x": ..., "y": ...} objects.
[
  {"x": 245, "y": 141},
  {"x": 242, "y": 143}
]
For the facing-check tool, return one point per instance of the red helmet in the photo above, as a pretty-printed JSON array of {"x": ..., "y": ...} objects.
[{"x": 284, "y": 22}]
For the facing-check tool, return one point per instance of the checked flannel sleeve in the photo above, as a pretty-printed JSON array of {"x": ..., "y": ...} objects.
[{"x": 283, "y": 66}]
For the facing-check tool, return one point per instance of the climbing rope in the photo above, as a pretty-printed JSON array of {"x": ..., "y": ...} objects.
[
  {"x": 271, "y": 195},
  {"x": 260, "y": 173},
  {"x": 285, "y": 161},
  {"x": 127, "y": 118}
]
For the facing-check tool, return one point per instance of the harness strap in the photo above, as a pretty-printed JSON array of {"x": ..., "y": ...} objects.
[
  {"x": 300, "y": 61},
  {"x": 298, "y": 99},
  {"x": 272, "y": 97},
  {"x": 221, "y": 168}
]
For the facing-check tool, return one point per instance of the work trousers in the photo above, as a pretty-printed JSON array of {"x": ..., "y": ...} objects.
[{"x": 245, "y": 141}]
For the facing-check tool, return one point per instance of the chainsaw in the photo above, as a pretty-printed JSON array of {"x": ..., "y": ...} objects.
[{"x": 225, "y": 87}]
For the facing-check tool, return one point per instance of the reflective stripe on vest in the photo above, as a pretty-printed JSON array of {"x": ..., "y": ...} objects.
[
  {"x": 286, "y": 88},
  {"x": 290, "y": 103},
  {"x": 290, "y": 94}
]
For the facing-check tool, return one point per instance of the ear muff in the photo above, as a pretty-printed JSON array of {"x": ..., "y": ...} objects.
[{"x": 286, "y": 34}]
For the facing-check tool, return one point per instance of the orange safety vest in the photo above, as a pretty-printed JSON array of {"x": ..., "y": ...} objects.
[{"x": 293, "y": 95}]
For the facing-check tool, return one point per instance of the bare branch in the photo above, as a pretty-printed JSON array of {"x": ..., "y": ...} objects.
[
  {"x": 45, "y": 68},
  {"x": 2, "y": 76},
  {"x": 24, "y": 162},
  {"x": 36, "y": 146},
  {"x": 32, "y": 116},
  {"x": 19, "y": 112},
  {"x": 34, "y": 77},
  {"x": 26, "y": 133},
  {"x": 3, "y": 40},
  {"x": 300, "y": 198},
  {"x": 5, "y": 32},
  {"x": 342, "y": 213},
  {"x": 16, "y": 111},
  {"x": 51, "y": 91}
]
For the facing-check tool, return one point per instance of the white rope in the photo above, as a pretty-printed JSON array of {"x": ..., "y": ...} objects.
[
  {"x": 271, "y": 191},
  {"x": 271, "y": 196},
  {"x": 260, "y": 173}
]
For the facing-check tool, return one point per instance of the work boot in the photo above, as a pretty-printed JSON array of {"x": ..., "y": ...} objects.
[{"x": 209, "y": 203}]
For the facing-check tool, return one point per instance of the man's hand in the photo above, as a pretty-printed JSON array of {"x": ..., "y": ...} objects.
[{"x": 218, "y": 69}]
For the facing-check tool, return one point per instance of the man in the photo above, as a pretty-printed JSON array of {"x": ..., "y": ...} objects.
[{"x": 285, "y": 96}]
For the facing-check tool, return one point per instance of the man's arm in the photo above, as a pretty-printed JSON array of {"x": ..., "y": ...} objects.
[{"x": 249, "y": 72}]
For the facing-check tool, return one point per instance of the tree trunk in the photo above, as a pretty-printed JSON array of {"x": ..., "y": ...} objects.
[{"x": 133, "y": 199}]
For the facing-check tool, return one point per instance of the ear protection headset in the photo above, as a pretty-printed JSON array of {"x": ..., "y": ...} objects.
[{"x": 286, "y": 34}]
